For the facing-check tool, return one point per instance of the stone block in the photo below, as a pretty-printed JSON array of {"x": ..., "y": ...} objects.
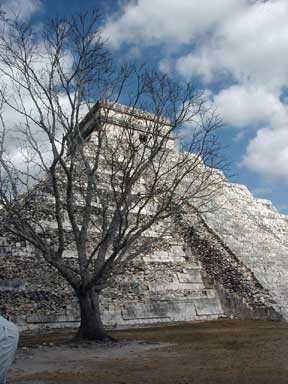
[
  {"x": 208, "y": 307},
  {"x": 145, "y": 311},
  {"x": 192, "y": 276}
]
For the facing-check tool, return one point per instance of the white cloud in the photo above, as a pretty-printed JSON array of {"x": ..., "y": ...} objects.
[
  {"x": 253, "y": 44},
  {"x": 165, "y": 66},
  {"x": 223, "y": 42},
  {"x": 249, "y": 107},
  {"x": 254, "y": 107},
  {"x": 250, "y": 46},
  {"x": 267, "y": 153},
  {"x": 245, "y": 106},
  {"x": 168, "y": 22},
  {"x": 242, "y": 38},
  {"x": 23, "y": 9},
  {"x": 198, "y": 64},
  {"x": 23, "y": 102}
]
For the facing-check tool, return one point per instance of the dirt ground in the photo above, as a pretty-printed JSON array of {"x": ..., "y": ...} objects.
[{"x": 226, "y": 351}]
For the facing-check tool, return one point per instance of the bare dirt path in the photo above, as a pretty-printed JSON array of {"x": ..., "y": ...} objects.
[
  {"x": 73, "y": 363},
  {"x": 230, "y": 352}
]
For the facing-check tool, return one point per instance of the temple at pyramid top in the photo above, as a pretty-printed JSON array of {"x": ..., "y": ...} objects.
[{"x": 113, "y": 115}]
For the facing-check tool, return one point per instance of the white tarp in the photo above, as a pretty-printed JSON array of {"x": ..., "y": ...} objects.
[{"x": 9, "y": 336}]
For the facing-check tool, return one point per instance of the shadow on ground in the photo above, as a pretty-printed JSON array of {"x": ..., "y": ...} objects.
[{"x": 226, "y": 351}]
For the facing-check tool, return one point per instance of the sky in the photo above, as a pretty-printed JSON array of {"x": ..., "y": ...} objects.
[{"x": 234, "y": 50}]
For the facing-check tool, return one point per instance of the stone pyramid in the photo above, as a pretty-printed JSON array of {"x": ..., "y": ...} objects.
[{"x": 230, "y": 261}]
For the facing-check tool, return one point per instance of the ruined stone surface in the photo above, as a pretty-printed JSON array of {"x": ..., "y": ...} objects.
[
  {"x": 241, "y": 294},
  {"x": 257, "y": 234},
  {"x": 229, "y": 261},
  {"x": 166, "y": 286}
]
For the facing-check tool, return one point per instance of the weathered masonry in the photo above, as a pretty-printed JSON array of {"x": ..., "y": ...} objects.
[{"x": 231, "y": 261}]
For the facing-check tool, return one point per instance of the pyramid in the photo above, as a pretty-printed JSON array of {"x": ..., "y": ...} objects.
[{"x": 227, "y": 261}]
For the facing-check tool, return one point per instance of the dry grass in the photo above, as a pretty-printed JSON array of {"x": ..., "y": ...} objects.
[{"x": 230, "y": 352}]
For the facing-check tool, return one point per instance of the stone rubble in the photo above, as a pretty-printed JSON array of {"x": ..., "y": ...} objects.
[{"x": 257, "y": 234}]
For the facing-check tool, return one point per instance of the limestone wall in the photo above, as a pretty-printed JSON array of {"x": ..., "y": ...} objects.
[
  {"x": 166, "y": 286},
  {"x": 258, "y": 235},
  {"x": 240, "y": 292},
  {"x": 197, "y": 272}
]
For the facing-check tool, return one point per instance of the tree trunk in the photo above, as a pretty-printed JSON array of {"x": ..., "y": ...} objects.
[{"x": 91, "y": 326}]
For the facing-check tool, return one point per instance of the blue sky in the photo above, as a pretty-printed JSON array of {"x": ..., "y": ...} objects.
[{"x": 235, "y": 50}]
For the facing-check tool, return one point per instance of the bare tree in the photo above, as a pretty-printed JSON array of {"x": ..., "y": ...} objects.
[{"x": 108, "y": 177}]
